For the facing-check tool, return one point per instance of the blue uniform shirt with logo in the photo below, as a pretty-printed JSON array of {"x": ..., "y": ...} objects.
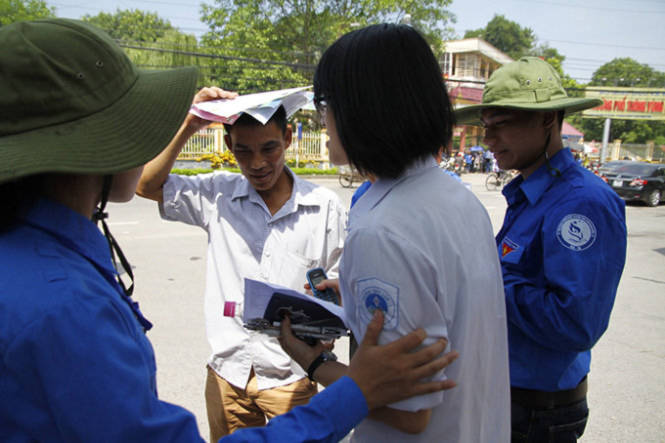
[
  {"x": 562, "y": 249},
  {"x": 75, "y": 364}
]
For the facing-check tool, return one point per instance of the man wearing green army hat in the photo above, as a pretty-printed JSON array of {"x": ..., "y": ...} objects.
[{"x": 562, "y": 249}]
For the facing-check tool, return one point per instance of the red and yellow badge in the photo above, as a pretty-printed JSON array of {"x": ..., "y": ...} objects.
[{"x": 508, "y": 246}]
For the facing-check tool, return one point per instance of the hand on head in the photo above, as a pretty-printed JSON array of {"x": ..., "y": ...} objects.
[{"x": 204, "y": 95}]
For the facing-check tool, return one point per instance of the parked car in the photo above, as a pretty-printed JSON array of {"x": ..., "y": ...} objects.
[
  {"x": 638, "y": 181},
  {"x": 606, "y": 168}
]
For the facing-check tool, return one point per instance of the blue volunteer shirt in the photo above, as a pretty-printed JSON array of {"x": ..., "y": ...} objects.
[
  {"x": 562, "y": 249},
  {"x": 75, "y": 364}
]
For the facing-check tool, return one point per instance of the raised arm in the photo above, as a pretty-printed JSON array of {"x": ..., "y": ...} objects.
[{"x": 157, "y": 170}]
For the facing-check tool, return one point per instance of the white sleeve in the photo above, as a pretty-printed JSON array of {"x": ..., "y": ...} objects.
[
  {"x": 335, "y": 237},
  {"x": 188, "y": 199},
  {"x": 380, "y": 269}
]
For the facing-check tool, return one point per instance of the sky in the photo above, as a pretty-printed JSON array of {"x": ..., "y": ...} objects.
[{"x": 589, "y": 33}]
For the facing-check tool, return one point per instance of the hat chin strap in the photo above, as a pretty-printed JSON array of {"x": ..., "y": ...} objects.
[
  {"x": 100, "y": 215},
  {"x": 552, "y": 170}
]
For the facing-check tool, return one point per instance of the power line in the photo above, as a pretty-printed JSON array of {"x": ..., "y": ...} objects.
[
  {"x": 604, "y": 44},
  {"x": 601, "y": 8},
  {"x": 303, "y": 66},
  {"x": 177, "y": 46}
]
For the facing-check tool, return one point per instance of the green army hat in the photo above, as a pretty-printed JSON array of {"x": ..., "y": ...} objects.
[
  {"x": 528, "y": 84},
  {"x": 71, "y": 101}
]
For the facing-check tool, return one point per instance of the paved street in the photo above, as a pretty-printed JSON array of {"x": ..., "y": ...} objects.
[{"x": 627, "y": 382}]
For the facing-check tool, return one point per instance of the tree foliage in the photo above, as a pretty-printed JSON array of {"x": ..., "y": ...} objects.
[
  {"x": 506, "y": 35},
  {"x": 276, "y": 43},
  {"x": 18, "y": 10},
  {"x": 150, "y": 41},
  {"x": 627, "y": 72},
  {"x": 131, "y": 25}
]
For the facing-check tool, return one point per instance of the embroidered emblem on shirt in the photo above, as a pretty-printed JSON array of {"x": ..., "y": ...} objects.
[
  {"x": 376, "y": 294},
  {"x": 576, "y": 232},
  {"x": 508, "y": 246}
]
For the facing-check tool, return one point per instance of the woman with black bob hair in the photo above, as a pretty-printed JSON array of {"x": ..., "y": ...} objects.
[
  {"x": 387, "y": 93},
  {"x": 420, "y": 246}
]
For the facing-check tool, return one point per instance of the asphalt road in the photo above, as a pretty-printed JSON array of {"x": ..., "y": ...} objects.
[{"x": 627, "y": 380}]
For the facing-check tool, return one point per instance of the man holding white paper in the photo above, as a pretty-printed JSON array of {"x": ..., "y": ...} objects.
[{"x": 265, "y": 224}]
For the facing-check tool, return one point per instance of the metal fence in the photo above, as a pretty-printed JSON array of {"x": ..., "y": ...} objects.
[
  {"x": 311, "y": 147},
  {"x": 616, "y": 150},
  {"x": 648, "y": 152},
  {"x": 205, "y": 141}
]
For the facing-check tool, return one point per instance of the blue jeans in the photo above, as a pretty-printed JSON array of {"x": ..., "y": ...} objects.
[{"x": 559, "y": 425}]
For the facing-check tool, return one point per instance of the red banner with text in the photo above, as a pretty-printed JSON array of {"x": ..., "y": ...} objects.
[{"x": 627, "y": 103}]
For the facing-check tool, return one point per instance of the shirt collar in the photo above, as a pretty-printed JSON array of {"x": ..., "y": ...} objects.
[
  {"x": 541, "y": 180},
  {"x": 81, "y": 235},
  {"x": 73, "y": 230},
  {"x": 301, "y": 194},
  {"x": 382, "y": 187}
]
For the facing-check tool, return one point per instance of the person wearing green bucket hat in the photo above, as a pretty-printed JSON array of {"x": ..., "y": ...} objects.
[
  {"x": 562, "y": 248},
  {"x": 78, "y": 122}
]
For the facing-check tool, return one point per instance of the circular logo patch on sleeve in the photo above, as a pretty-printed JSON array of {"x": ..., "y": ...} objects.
[
  {"x": 576, "y": 232},
  {"x": 376, "y": 294}
]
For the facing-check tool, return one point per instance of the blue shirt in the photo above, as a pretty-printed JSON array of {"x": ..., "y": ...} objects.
[
  {"x": 75, "y": 364},
  {"x": 562, "y": 249},
  {"x": 364, "y": 186}
]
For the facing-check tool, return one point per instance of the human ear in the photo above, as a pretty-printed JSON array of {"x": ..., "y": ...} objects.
[
  {"x": 549, "y": 117},
  {"x": 288, "y": 135}
]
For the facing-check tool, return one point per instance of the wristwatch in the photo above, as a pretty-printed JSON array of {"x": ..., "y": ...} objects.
[{"x": 318, "y": 361}]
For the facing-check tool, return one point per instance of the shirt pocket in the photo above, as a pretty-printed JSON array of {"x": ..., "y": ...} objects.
[
  {"x": 509, "y": 254},
  {"x": 521, "y": 253},
  {"x": 513, "y": 247},
  {"x": 293, "y": 268}
]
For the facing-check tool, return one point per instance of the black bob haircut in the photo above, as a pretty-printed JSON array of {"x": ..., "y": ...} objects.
[
  {"x": 279, "y": 117},
  {"x": 386, "y": 91}
]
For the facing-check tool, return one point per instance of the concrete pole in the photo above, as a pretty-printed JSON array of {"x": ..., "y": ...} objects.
[{"x": 606, "y": 138}]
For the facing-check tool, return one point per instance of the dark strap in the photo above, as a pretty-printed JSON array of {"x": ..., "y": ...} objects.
[
  {"x": 315, "y": 365},
  {"x": 100, "y": 215}
]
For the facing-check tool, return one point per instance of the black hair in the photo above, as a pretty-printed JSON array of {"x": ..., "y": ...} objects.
[
  {"x": 560, "y": 115},
  {"x": 386, "y": 91},
  {"x": 279, "y": 117},
  {"x": 17, "y": 197}
]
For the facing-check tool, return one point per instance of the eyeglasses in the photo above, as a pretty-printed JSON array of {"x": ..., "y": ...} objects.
[{"x": 321, "y": 106}]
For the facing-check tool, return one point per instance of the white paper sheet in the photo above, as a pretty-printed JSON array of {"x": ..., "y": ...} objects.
[
  {"x": 261, "y": 106},
  {"x": 258, "y": 295}
]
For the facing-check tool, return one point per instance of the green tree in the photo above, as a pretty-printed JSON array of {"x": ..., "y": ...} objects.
[
  {"x": 506, "y": 35},
  {"x": 150, "y": 41},
  {"x": 18, "y": 10},
  {"x": 626, "y": 72},
  {"x": 270, "y": 44},
  {"x": 131, "y": 25}
]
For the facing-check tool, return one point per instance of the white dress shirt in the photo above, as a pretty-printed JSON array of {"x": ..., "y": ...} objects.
[
  {"x": 246, "y": 241},
  {"x": 421, "y": 248}
]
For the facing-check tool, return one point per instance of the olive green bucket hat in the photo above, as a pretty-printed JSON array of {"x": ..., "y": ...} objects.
[
  {"x": 528, "y": 84},
  {"x": 71, "y": 101}
]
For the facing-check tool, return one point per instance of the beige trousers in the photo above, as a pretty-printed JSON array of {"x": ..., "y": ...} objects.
[{"x": 230, "y": 408}]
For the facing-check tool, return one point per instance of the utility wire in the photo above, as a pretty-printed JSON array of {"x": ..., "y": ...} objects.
[
  {"x": 601, "y": 8},
  {"x": 308, "y": 67}
]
